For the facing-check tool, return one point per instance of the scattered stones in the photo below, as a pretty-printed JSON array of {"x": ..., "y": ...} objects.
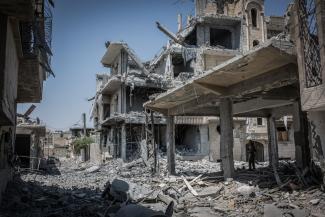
[
  {"x": 92, "y": 169},
  {"x": 246, "y": 190},
  {"x": 77, "y": 191},
  {"x": 315, "y": 201}
]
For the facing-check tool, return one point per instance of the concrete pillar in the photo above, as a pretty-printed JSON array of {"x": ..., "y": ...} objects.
[
  {"x": 82, "y": 155},
  {"x": 170, "y": 142},
  {"x": 123, "y": 143},
  {"x": 95, "y": 153},
  {"x": 273, "y": 142},
  {"x": 300, "y": 125},
  {"x": 204, "y": 140},
  {"x": 214, "y": 140},
  {"x": 227, "y": 137}
]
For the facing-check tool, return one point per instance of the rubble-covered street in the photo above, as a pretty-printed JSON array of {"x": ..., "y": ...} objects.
[
  {"x": 165, "y": 108},
  {"x": 77, "y": 190}
]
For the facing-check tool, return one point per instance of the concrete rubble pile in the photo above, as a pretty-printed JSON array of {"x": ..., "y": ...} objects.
[{"x": 199, "y": 189}]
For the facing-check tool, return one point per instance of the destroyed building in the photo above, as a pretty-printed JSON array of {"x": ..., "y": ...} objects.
[
  {"x": 118, "y": 112},
  {"x": 269, "y": 90},
  {"x": 306, "y": 26},
  {"x": 25, "y": 38},
  {"x": 29, "y": 143},
  {"x": 58, "y": 144},
  {"x": 209, "y": 39},
  {"x": 238, "y": 70}
]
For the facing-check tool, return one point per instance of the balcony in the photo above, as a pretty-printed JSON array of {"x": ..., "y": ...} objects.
[{"x": 34, "y": 67}]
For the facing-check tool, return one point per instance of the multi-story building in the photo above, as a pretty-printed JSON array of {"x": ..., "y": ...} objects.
[
  {"x": 25, "y": 38},
  {"x": 29, "y": 143},
  {"x": 307, "y": 25},
  {"x": 215, "y": 35},
  {"x": 118, "y": 113},
  {"x": 231, "y": 61}
]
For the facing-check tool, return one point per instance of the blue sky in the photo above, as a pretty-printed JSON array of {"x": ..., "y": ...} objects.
[{"x": 80, "y": 29}]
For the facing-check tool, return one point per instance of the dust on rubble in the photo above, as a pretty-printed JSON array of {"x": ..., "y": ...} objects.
[{"x": 198, "y": 190}]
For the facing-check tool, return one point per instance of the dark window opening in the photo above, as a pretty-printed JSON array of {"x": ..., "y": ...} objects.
[
  {"x": 259, "y": 121},
  {"x": 191, "y": 39},
  {"x": 255, "y": 43},
  {"x": 254, "y": 17},
  {"x": 22, "y": 148},
  {"x": 220, "y": 37},
  {"x": 180, "y": 66},
  {"x": 107, "y": 111},
  {"x": 187, "y": 139},
  {"x": 105, "y": 141}
]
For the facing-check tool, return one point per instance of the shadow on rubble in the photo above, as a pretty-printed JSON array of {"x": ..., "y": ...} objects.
[
  {"x": 291, "y": 178},
  {"x": 31, "y": 198},
  {"x": 51, "y": 166},
  {"x": 46, "y": 167}
]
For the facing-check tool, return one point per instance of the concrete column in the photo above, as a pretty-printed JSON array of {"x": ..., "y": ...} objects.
[
  {"x": 123, "y": 143},
  {"x": 227, "y": 137},
  {"x": 82, "y": 155},
  {"x": 170, "y": 141},
  {"x": 214, "y": 141},
  {"x": 204, "y": 140},
  {"x": 273, "y": 142},
  {"x": 300, "y": 125}
]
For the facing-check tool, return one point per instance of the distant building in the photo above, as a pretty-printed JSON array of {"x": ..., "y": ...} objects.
[
  {"x": 58, "y": 144},
  {"x": 29, "y": 144}
]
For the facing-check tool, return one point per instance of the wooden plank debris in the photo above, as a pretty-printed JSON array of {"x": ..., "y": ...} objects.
[{"x": 190, "y": 187}]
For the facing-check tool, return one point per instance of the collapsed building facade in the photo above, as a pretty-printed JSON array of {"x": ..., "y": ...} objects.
[
  {"x": 25, "y": 38},
  {"x": 29, "y": 143},
  {"x": 241, "y": 66},
  {"x": 214, "y": 36},
  {"x": 118, "y": 112}
]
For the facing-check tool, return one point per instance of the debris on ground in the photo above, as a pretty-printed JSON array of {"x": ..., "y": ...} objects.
[{"x": 198, "y": 190}]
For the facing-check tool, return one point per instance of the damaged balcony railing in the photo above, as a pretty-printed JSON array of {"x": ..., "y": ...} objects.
[
  {"x": 36, "y": 36},
  {"x": 309, "y": 36}
]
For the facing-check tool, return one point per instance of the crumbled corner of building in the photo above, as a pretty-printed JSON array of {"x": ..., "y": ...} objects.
[{"x": 226, "y": 120}]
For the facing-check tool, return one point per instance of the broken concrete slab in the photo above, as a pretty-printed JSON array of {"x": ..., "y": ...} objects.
[
  {"x": 271, "y": 210},
  {"x": 210, "y": 191},
  {"x": 92, "y": 169}
]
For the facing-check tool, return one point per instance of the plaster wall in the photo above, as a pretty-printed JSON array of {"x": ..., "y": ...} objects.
[
  {"x": 287, "y": 148},
  {"x": 214, "y": 141},
  {"x": 95, "y": 153},
  {"x": 9, "y": 79}
]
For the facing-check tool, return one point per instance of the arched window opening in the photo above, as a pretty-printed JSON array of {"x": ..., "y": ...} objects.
[
  {"x": 254, "y": 17},
  {"x": 255, "y": 43}
]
